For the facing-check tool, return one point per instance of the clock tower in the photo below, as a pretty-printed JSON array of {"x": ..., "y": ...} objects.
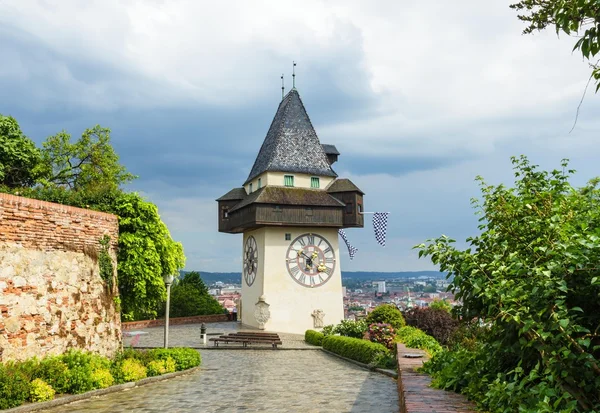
[{"x": 289, "y": 211}]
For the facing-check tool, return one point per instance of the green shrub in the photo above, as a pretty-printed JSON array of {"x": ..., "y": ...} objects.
[
  {"x": 80, "y": 379},
  {"x": 132, "y": 370},
  {"x": 314, "y": 337},
  {"x": 185, "y": 358},
  {"x": 14, "y": 388},
  {"x": 356, "y": 349},
  {"x": 435, "y": 321},
  {"x": 158, "y": 367},
  {"x": 387, "y": 314},
  {"x": 81, "y": 366},
  {"x": 102, "y": 378},
  {"x": 382, "y": 334},
  {"x": 412, "y": 337},
  {"x": 350, "y": 328},
  {"x": 328, "y": 330},
  {"x": 54, "y": 372},
  {"x": 40, "y": 391}
]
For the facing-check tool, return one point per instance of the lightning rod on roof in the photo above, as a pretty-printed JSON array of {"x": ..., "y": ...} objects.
[
  {"x": 294, "y": 75},
  {"x": 282, "y": 87}
]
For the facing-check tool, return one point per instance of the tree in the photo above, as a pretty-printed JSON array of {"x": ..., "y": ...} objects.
[
  {"x": 87, "y": 164},
  {"x": 441, "y": 305},
  {"x": 572, "y": 17},
  {"x": 189, "y": 297},
  {"x": 533, "y": 277},
  {"x": 19, "y": 157},
  {"x": 146, "y": 253}
]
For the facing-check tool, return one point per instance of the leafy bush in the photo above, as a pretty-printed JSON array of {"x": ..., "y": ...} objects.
[
  {"x": 54, "y": 372},
  {"x": 80, "y": 379},
  {"x": 531, "y": 276},
  {"x": 328, "y": 330},
  {"x": 185, "y": 358},
  {"x": 102, "y": 378},
  {"x": 158, "y": 367},
  {"x": 387, "y": 314},
  {"x": 356, "y": 349},
  {"x": 440, "y": 305},
  {"x": 40, "y": 391},
  {"x": 14, "y": 388},
  {"x": 436, "y": 322},
  {"x": 382, "y": 334},
  {"x": 349, "y": 328},
  {"x": 414, "y": 338},
  {"x": 132, "y": 370},
  {"x": 314, "y": 337}
]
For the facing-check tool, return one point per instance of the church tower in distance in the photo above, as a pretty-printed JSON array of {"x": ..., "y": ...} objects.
[{"x": 290, "y": 210}]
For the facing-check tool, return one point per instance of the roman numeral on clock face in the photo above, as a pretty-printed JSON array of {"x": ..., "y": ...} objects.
[{"x": 310, "y": 260}]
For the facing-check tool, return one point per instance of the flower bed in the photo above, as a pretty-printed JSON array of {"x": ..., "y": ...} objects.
[{"x": 76, "y": 372}]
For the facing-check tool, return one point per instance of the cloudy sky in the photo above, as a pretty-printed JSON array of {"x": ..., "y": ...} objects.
[{"x": 419, "y": 97}]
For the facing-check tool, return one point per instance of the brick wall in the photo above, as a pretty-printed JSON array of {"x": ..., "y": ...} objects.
[{"x": 51, "y": 295}]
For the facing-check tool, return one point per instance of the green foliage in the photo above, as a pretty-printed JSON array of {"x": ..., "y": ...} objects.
[
  {"x": 102, "y": 378},
  {"x": 532, "y": 277},
  {"x": 132, "y": 370},
  {"x": 40, "y": 391},
  {"x": 412, "y": 337},
  {"x": 146, "y": 252},
  {"x": 441, "y": 305},
  {"x": 579, "y": 18},
  {"x": 356, "y": 308},
  {"x": 14, "y": 388},
  {"x": 314, "y": 337},
  {"x": 158, "y": 367},
  {"x": 105, "y": 262},
  {"x": 435, "y": 321},
  {"x": 87, "y": 165},
  {"x": 189, "y": 297},
  {"x": 350, "y": 328},
  {"x": 387, "y": 314},
  {"x": 19, "y": 157},
  {"x": 185, "y": 358},
  {"x": 328, "y": 330},
  {"x": 357, "y": 349},
  {"x": 54, "y": 372}
]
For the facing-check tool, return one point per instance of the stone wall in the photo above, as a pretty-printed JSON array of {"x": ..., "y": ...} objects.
[
  {"x": 175, "y": 321},
  {"x": 52, "y": 297}
]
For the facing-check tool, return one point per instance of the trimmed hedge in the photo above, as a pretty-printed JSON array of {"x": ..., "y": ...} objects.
[
  {"x": 412, "y": 337},
  {"x": 357, "y": 349},
  {"x": 314, "y": 337}
]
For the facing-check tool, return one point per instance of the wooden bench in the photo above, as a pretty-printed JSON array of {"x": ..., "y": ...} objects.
[{"x": 248, "y": 338}]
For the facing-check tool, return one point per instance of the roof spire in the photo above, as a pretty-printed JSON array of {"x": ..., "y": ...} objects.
[
  {"x": 282, "y": 87},
  {"x": 294, "y": 75}
]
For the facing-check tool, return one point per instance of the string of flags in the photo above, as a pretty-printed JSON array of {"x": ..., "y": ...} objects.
[{"x": 380, "y": 220}]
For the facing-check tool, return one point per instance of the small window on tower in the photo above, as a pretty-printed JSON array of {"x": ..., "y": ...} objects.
[
  {"x": 259, "y": 183},
  {"x": 288, "y": 180},
  {"x": 349, "y": 208},
  {"x": 314, "y": 182},
  {"x": 288, "y": 236},
  {"x": 250, "y": 188}
]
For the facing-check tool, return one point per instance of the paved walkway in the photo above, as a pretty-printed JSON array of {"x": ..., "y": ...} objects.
[
  {"x": 188, "y": 335},
  {"x": 258, "y": 381}
]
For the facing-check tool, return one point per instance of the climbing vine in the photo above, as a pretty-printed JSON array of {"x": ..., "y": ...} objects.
[{"x": 105, "y": 262}]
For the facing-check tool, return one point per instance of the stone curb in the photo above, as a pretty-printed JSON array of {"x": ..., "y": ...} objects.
[
  {"x": 33, "y": 407},
  {"x": 389, "y": 373},
  {"x": 239, "y": 348}
]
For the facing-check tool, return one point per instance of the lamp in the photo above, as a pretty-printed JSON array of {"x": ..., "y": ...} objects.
[{"x": 168, "y": 279}]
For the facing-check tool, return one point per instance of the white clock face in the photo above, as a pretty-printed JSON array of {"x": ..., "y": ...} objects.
[
  {"x": 310, "y": 260},
  {"x": 250, "y": 260}
]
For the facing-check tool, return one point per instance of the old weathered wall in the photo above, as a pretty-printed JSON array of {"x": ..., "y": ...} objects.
[{"x": 52, "y": 297}]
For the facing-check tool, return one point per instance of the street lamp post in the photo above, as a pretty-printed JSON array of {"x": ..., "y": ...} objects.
[{"x": 168, "y": 279}]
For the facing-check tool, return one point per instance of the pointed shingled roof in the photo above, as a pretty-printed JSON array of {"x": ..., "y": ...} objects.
[{"x": 291, "y": 145}]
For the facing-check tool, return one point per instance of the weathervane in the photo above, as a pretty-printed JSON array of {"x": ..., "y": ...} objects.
[
  {"x": 294, "y": 75},
  {"x": 282, "y": 87}
]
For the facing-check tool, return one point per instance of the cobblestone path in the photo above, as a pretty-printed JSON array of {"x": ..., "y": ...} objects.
[{"x": 257, "y": 381}]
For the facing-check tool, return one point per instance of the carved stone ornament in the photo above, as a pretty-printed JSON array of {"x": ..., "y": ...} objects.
[
  {"x": 318, "y": 316},
  {"x": 261, "y": 312}
]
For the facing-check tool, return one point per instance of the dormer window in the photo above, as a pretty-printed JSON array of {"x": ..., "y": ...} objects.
[
  {"x": 259, "y": 183},
  {"x": 314, "y": 182},
  {"x": 288, "y": 180},
  {"x": 250, "y": 188}
]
